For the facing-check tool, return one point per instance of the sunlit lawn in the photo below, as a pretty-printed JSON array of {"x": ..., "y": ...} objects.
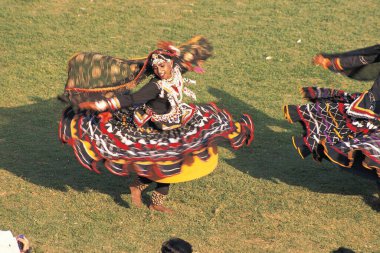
[{"x": 260, "y": 199}]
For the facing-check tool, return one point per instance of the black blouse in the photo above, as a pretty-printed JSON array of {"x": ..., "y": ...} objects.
[{"x": 149, "y": 95}]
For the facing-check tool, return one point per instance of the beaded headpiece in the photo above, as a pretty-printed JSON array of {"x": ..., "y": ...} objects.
[{"x": 158, "y": 58}]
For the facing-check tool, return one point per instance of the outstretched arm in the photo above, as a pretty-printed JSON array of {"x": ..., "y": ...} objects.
[
  {"x": 146, "y": 93},
  {"x": 343, "y": 63}
]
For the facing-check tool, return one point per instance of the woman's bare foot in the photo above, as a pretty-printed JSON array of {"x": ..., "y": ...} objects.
[
  {"x": 136, "y": 196},
  {"x": 161, "y": 209}
]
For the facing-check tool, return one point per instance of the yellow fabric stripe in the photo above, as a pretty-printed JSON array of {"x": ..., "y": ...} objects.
[
  {"x": 193, "y": 167},
  {"x": 327, "y": 154},
  {"x": 87, "y": 147},
  {"x": 144, "y": 162},
  {"x": 73, "y": 129},
  {"x": 361, "y": 108},
  {"x": 337, "y": 133},
  {"x": 337, "y": 62},
  {"x": 332, "y": 117},
  {"x": 168, "y": 162},
  {"x": 297, "y": 148},
  {"x": 286, "y": 113},
  {"x": 120, "y": 161},
  {"x": 235, "y": 133}
]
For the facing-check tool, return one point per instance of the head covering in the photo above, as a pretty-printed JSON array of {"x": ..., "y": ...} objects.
[
  {"x": 154, "y": 58},
  {"x": 122, "y": 75},
  {"x": 159, "y": 57}
]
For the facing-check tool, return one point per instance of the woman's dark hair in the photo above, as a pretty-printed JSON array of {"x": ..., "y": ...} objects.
[
  {"x": 343, "y": 250},
  {"x": 176, "y": 245},
  {"x": 162, "y": 54}
]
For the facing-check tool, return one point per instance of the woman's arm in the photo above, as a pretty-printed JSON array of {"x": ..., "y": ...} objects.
[
  {"x": 349, "y": 60},
  {"x": 146, "y": 93},
  {"x": 346, "y": 62}
]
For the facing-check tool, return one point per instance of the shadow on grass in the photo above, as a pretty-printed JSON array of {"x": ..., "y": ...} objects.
[
  {"x": 272, "y": 156},
  {"x": 30, "y": 149}
]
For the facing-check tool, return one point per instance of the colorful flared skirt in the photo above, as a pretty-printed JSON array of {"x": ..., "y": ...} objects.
[
  {"x": 114, "y": 139},
  {"x": 330, "y": 133}
]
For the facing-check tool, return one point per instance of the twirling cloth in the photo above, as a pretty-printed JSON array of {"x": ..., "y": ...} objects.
[
  {"x": 93, "y": 76},
  {"x": 176, "y": 145},
  {"x": 115, "y": 140},
  {"x": 340, "y": 126}
]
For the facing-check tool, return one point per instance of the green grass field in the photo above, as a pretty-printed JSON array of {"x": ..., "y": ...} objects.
[{"x": 264, "y": 198}]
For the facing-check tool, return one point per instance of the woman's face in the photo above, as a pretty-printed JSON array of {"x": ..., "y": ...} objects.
[{"x": 163, "y": 70}]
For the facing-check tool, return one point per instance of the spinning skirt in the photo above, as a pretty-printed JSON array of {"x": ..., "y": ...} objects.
[
  {"x": 332, "y": 134},
  {"x": 171, "y": 156}
]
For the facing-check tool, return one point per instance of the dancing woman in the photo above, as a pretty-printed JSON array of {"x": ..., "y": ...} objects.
[
  {"x": 343, "y": 127},
  {"x": 151, "y": 131}
]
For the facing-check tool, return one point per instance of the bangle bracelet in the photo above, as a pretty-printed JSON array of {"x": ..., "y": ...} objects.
[
  {"x": 101, "y": 105},
  {"x": 113, "y": 103}
]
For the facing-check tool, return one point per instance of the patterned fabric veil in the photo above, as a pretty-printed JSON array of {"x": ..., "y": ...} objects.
[{"x": 93, "y": 76}]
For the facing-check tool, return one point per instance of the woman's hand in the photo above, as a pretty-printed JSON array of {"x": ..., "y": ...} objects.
[
  {"x": 319, "y": 60},
  {"x": 87, "y": 106},
  {"x": 91, "y": 106}
]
